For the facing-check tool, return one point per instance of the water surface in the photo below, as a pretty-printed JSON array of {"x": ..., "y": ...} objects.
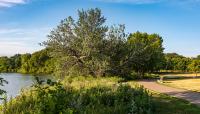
[{"x": 17, "y": 81}]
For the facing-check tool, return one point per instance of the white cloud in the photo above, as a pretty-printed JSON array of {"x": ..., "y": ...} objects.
[
  {"x": 9, "y": 48},
  {"x": 18, "y": 40},
  {"x": 9, "y": 3},
  {"x": 8, "y": 31}
]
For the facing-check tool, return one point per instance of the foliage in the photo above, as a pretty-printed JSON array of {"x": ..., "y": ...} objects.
[
  {"x": 89, "y": 81},
  {"x": 198, "y": 57},
  {"x": 88, "y": 47},
  {"x": 145, "y": 52},
  {"x": 82, "y": 93},
  {"x": 116, "y": 50},
  {"x": 55, "y": 98},
  {"x": 176, "y": 62},
  {"x": 37, "y": 63},
  {"x": 4, "y": 64},
  {"x": 194, "y": 66},
  {"x": 80, "y": 43},
  {"x": 2, "y": 82}
]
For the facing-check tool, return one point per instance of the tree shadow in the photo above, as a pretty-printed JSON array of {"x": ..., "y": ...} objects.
[{"x": 192, "y": 97}]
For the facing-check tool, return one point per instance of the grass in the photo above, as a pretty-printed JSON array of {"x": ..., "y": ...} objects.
[
  {"x": 188, "y": 84},
  {"x": 89, "y": 82},
  {"x": 104, "y": 96},
  {"x": 187, "y": 81},
  {"x": 181, "y": 74},
  {"x": 163, "y": 104},
  {"x": 171, "y": 105}
]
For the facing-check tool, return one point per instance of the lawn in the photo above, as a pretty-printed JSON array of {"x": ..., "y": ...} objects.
[
  {"x": 188, "y": 81},
  {"x": 188, "y": 84},
  {"x": 171, "y": 105}
]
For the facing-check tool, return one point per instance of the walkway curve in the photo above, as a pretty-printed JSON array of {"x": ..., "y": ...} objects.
[{"x": 193, "y": 97}]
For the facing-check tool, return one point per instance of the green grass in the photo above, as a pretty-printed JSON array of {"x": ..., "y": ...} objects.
[
  {"x": 171, "y": 105},
  {"x": 97, "y": 96},
  {"x": 88, "y": 82},
  {"x": 187, "y": 81},
  {"x": 187, "y": 84}
]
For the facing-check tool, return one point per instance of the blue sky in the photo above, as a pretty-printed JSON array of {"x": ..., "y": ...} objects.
[{"x": 25, "y": 23}]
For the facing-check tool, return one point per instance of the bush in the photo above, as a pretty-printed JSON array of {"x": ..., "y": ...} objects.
[{"x": 54, "y": 98}]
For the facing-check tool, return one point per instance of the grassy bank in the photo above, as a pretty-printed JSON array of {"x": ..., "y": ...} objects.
[
  {"x": 90, "y": 95},
  {"x": 77, "y": 96}
]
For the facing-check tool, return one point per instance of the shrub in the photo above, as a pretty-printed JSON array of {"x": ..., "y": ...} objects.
[{"x": 54, "y": 98}]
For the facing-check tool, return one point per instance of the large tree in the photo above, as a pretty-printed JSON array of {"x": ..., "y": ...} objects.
[
  {"x": 116, "y": 50},
  {"x": 194, "y": 66},
  {"x": 4, "y": 64},
  {"x": 176, "y": 62},
  {"x": 88, "y": 47},
  {"x": 25, "y": 63},
  {"x": 80, "y": 43},
  {"x": 145, "y": 52}
]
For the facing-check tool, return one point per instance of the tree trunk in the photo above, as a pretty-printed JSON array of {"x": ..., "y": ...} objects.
[{"x": 140, "y": 74}]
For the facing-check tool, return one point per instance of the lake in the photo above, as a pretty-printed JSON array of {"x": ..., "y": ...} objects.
[{"x": 17, "y": 81}]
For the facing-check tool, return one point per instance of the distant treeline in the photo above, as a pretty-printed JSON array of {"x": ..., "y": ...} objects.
[
  {"x": 174, "y": 62},
  {"x": 41, "y": 62},
  {"x": 37, "y": 63}
]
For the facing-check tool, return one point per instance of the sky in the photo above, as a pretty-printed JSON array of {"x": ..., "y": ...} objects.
[{"x": 26, "y": 23}]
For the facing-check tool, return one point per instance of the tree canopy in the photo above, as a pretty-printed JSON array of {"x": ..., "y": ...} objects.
[
  {"x": 37, "y": 63},
  {"x": 89, "y": 47},
  {"x": 145, "y": 52}
]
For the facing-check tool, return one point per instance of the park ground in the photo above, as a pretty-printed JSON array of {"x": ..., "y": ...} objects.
[
  {"x": 165, "y": 103},
  {"x": 185, "y": 86},
  {"x": 187, "y": 81}
]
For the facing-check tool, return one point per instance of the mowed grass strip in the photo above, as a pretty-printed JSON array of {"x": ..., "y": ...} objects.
[
  {"x": 188, "y": 84},
  {"x": 182, "y": 75}
]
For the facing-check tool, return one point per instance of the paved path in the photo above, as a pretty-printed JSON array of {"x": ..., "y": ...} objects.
[{"x": 190, "y": 96}]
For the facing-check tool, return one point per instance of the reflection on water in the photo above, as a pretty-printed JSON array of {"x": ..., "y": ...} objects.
[{"x": 17, "y": 81}]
